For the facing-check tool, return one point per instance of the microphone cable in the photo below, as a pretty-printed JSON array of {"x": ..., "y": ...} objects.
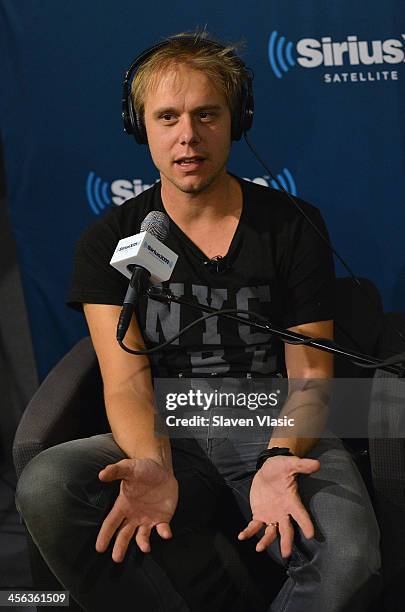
[{"x": 397, "y": 359}]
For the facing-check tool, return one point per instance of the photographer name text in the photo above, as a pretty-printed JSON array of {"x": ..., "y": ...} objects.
[{"x": 222, "y": 421}]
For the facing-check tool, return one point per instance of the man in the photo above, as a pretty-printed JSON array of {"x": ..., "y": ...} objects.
[{"x": 306, "y": 505}]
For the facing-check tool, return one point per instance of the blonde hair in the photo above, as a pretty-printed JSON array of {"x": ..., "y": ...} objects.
[{"x": 218, "y": 62}]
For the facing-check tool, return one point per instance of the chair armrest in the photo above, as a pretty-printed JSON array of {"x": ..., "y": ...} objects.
[{"x": 68, "y": 404}]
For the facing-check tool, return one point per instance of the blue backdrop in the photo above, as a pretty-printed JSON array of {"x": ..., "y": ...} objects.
[{"x": 328, "y": 83}]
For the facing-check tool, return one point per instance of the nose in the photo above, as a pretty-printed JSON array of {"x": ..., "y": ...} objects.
[{"x": 188, "y": 130}]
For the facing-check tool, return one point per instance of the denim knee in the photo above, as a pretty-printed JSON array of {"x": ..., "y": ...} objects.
[
  {"x": 48, "y": 482},
  {"x": 343, "y": 568},
  {"x": 37, "y": 486},
  {"x": 352, "y": 561},
  {"x": 354, "y": 545}
]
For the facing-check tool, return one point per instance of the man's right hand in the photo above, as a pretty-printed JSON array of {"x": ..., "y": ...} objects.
[{"x": 148, "y": 498}]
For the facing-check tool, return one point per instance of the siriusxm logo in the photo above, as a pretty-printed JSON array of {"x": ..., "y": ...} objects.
[
  {"x": 147, "y": 246},
  {"x": 312, "y": 52},
  {"x": 100, "y": 193}
]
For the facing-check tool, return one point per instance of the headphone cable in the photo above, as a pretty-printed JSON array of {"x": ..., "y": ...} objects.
[{"x": 330, "y": 246}]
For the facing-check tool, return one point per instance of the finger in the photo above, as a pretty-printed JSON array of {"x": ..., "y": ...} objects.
[
  {"x": 121, "y": 542},
  {"x": 115, "y": 471},
  {"x": 142, "y": 538},
  {"x": 307, "y": 466},
  {"x": 286, "y": 531},
  {"x": 164, "y": 530},
  {"x": 301, "y": 516},
  {"x": 110, "y": 525},
  {"x": 252, "y": 528},
  {"x": 110, "y": 472},
  {"x": 270, "y": 534}
]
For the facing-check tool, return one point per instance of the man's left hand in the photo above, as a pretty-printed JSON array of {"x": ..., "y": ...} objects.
[{"x": 274, "y": 498}]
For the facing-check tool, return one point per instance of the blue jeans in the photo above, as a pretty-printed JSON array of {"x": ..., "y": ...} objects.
[{"x": 204, "y": 567}]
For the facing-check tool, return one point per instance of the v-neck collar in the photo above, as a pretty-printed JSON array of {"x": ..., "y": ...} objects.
[{"x": 191, "y": 245}]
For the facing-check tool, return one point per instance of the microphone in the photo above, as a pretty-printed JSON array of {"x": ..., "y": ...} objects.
[
  {"x": 144, "y": 259},
  {"x": 217, "y": 264}
]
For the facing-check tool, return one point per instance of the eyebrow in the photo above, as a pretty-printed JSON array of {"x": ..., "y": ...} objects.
[{"x": 171, "y": 109}]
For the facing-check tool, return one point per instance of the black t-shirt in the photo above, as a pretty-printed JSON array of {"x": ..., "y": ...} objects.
[{"x": 276, "y": 266}]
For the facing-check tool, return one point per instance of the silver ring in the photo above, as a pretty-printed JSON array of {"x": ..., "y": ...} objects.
[{"x": 273, "y": 524}]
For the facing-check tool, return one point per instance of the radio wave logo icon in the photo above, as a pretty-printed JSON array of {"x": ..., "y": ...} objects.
[
  {"x": 98, "y": 193},
  {"x": 286, "y": 179},
  {"x": 280, "y": 54}
]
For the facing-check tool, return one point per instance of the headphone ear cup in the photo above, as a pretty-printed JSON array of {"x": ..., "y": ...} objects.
[
  {"x": 242, "y": 118},
  {"x": 140, "y": 130},
  {"x": 135, "y": 123},
  {"x": 126, "y": 105},
  {"x": 249, "y": 106},
  {"x": 236, "y": 131},
  {"x": 125, "y": 118}
]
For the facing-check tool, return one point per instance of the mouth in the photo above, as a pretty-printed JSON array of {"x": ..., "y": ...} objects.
[{"x": 190, "y": 163}]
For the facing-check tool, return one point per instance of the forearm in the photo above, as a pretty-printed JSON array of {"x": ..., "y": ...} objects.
[
  {"x": 132, "y": 420},
  {"x": 308, "y": 408}
]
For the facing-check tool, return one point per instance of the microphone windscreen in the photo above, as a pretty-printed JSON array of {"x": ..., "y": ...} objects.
[{"x": 157, "y": 224}]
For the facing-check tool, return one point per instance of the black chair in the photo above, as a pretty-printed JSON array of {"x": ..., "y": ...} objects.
[
  {"x": 69, "y": 404},
  {"x": 387, "y": 460}
]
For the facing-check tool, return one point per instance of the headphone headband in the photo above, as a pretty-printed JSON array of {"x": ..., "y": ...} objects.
[{"x": 242, "y": 116}]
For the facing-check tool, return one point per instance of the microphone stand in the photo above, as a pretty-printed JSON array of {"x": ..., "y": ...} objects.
[{"x": 166, "y": 296}]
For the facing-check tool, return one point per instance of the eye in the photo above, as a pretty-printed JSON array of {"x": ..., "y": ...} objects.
[
  {"x": 206, "y": 115},
  {"x": 167, "y": 117}
]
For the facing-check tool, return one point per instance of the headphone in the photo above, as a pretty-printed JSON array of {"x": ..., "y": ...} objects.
[{"x": 242, "y": 117}]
